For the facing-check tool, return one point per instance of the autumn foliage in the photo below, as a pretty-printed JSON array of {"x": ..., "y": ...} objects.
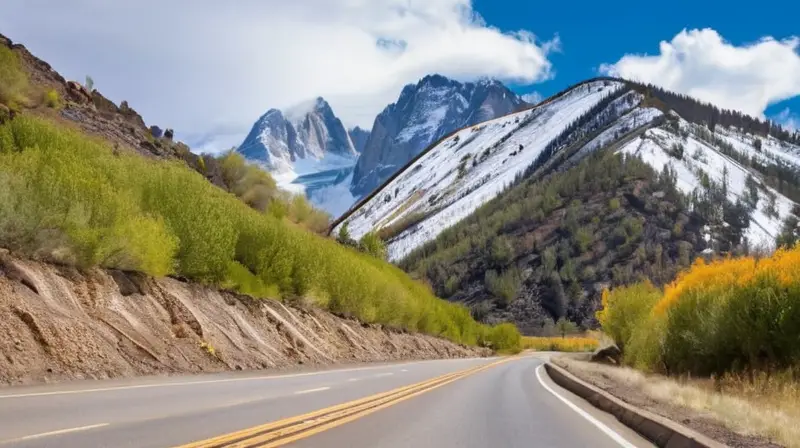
[
  {"x": 728, "y": 315},
  {"x": 560, "y": 344}
]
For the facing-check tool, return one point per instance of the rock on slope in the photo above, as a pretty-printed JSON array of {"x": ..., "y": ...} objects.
[
  {"x": 423, "y": 114},
  {"x": 57, "y": 323},
  {"x": 474, "y": 165}
]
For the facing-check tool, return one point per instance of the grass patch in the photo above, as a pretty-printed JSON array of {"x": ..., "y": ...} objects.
[
  {"x": 67, "y": 198},
  {"x": 766, "y": 406},
  {"x": 391, "y": 231}
]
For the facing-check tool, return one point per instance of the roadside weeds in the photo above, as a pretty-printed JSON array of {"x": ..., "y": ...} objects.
[{"x": 758, "y": 415}]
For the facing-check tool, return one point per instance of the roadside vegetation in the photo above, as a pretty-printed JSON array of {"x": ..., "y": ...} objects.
[
  {"x": 734, "y": 320},
  {"x": 767, "y": 407},
  {"x": 71, "y": 199},
  {"x": 560, "y": 344},
  {"x": 733, "y": 315}
]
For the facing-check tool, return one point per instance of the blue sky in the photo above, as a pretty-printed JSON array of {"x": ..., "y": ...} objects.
[
  {"x": 209, "y": 69},
  {"x": 593, "y": 33}
]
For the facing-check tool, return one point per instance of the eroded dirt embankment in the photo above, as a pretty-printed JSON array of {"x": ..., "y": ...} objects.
[{"x": 57, "y": 323}]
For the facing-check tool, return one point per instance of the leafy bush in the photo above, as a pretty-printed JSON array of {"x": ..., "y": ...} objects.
[
  {"x": 256, "y": 188},
  {"x": 372, "y": 245},
  {"x": 725, "y": 316},
  {"x": 68, "y": 198},
  {"x": 52, "y": 99},
  {"x": 624, "y": 308},
  {"x": 504, "y": 286}
]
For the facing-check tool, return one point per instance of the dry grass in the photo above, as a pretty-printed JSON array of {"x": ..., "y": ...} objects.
[
  {"x": 768, "y": 406},
  {"x": 559, "y": 344}
]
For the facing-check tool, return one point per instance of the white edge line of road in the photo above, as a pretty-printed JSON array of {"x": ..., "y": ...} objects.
[
  {"x": 610, "y": 432},
  {"x": 55, "y": 433},
  {"x": 227, "y": 380}
]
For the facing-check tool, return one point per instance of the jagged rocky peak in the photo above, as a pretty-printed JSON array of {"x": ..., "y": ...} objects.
[
  {"x": 425, "y": 112},
  {"x": 310, "y": 130}
]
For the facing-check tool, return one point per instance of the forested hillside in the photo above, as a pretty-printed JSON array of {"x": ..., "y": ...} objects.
[
  {"x": 628, "y": 190},
  {"x": 546, "y": 249}
]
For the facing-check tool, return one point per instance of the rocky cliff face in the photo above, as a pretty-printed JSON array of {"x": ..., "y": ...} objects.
[
  {"x": 424, "y": 113},
  {"x": 359, "y": 138},
  {"x": 58, "y": 323}
]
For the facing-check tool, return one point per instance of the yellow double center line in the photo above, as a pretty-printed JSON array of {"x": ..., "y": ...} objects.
[{"x": 291, "y": 429}]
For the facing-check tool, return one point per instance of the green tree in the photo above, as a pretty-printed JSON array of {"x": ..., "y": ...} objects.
[
  {"x": 565, "y": 327},
  {"x": 371, "y": 244},
  {"x": 344, "y": 234}
]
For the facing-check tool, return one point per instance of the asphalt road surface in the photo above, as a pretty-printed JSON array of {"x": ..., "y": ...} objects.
[{"x": 450, "y": 403}]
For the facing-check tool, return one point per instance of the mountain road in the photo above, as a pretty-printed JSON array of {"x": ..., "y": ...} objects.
[{"x": 497, "y": 402}]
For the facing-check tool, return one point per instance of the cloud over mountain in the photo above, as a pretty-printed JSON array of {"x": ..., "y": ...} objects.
[
  {"x": 199, "y": 65},
  {"x": 702, "y": 64}
]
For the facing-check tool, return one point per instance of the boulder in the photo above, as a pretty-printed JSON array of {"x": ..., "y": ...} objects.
[
  {"x": 78, "y": 93},
  {"x": 156, "y": 131},
  {"x": 608, "y": 355},
  {"x": 169, "y": 134}
]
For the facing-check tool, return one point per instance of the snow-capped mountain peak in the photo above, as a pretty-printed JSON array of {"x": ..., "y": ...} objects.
[
  {"x": 308, "y": 131},
  {"x": 425, "y": 112}
]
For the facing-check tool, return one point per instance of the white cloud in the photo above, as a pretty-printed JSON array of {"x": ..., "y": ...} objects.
[
  {"x": 532, "y": 97},
  {"x": 203, "y": 65},
  {"x": 702, "y": 64},
  {"x": 788, "y": 120}
]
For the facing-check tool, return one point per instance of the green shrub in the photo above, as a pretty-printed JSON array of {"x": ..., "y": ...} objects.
[
  {"x": 372, "y": 245},
  {"x": 624, "y": 308},
  {"x": 13, "y": 81},
  {"x": 52, "y": 99}
]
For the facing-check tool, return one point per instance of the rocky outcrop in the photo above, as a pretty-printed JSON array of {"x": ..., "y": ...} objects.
[
  {"x": 90, "y": 111},
  {"x": 58, "y": 323},
  {"x": 423, "y": 114},
  {"x": 359, "y": 138}
]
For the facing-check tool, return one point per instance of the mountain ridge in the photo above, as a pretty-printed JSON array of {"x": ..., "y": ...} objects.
[{"x": 730, "y": 182}]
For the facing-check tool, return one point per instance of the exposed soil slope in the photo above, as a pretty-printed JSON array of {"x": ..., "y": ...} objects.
[{"x": 57, "y": 323}]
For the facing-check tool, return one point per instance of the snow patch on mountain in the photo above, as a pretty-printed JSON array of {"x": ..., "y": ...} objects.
[{"x": 700, "y": 156}]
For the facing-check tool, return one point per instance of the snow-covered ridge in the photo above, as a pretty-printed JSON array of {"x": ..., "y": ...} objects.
[
  {"x": 701, "y": 156},
  {"x": 470, "y": 168},
  {"x": 474, "y": 165}
]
